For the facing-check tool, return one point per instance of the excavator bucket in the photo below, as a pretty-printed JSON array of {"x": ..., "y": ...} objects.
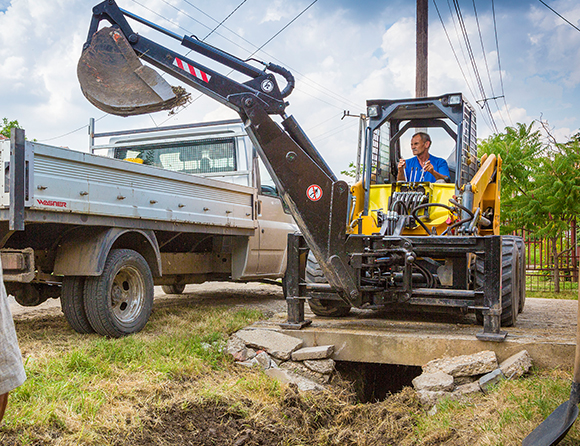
[{"x": 114, "y": 80}]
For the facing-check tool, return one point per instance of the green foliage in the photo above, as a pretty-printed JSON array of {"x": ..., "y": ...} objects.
[
  {"x": 7, "y": 126},
  {"x": 540, "y": 188},
  {"x": 351, "y": 171}
]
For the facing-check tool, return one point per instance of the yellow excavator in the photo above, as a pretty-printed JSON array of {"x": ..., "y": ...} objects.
[{"x": 380, "y": 243}]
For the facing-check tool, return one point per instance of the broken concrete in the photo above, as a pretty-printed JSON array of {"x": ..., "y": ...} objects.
[
  {"x": 318, "y": 352},
  {"x": 434, "y": 382},
  {"x": 324, "y": 366},
  {"x": 467, "y": 389},
  {"x": 276, "y": 344},
  {"x": 490, "y": 379},
  {"x": 517, "y": 365},
  {"x": 300, "y": 369},
  {"x": 287, "y": 377},
  {"x": 464, "y": 365}
]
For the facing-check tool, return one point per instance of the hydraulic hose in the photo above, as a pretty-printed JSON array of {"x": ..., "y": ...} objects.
[
  {"x": 427, "y": 205},
  {"x": 286, "y": 75}
]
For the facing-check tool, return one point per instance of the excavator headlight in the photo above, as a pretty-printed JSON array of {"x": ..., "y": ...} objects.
[
  {"x": 373, "y": 111},
  {"x": 455, "y": 99}
]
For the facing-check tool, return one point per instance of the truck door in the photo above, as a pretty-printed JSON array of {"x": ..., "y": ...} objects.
[{"x": 274, "y": 224}]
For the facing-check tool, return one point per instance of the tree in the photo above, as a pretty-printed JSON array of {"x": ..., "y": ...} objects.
[
  {"x": 540, "y": 184},
  {"x": 7, "y": 126}
]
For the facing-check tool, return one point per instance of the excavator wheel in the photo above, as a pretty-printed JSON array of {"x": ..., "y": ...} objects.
[
  {"x": 511, "y": 281},
  {"x": 322, "y": 307}
]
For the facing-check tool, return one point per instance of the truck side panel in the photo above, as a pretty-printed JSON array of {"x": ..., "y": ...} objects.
[{"x": 67, "y": 181}]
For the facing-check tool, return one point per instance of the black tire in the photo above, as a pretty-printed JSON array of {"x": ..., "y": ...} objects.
[
  {"x": 176, "y": 288},
  {"x": 72, "y": 303},
  {"x": 119, "y": 302},
  {"x": 323, "y": 307},
  {"x": 510, "y": 279}
]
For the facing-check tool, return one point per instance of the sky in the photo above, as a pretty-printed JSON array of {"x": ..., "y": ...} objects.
[{"x": 341, "y": 52}]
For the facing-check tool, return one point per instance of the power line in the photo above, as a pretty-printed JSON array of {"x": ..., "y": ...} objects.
[
  {"x": 257, "y": 50},
  {"x": 493, "y": 95},
  {"x": 455, "y": 55},
  {"x": 73, "y": 131},
  {"x": 473, "y": 61},
  {"x": 303, "y": 78},
  {"x": 559, "y": 15},
  {"x": 499, "y": 62}
]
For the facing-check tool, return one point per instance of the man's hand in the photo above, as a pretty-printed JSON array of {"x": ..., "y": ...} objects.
[
  {"x": 428, "y": 167},
  {"x": 401, "y": 170}
]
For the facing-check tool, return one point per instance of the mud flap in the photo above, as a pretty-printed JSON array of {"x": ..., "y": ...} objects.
[{"x": 114, "y": 80}]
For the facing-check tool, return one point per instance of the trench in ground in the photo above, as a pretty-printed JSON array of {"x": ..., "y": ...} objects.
[{"x": 375, "y": 382}]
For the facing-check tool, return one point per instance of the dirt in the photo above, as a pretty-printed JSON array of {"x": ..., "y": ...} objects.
[
  {"x": 299, "y": 419},
  {"x": 314, "y": 419}
]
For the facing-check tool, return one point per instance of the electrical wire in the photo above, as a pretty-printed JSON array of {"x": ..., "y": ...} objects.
[
  {"x": 73, "y": 131},
  {"x": 457, "y": 57},
  {"x": 493, "y": 95},
  {"x": 253, "y": 54},
  {"x": 559, "y": 15},
  {"x": 473, "y": 63},
  {"x": 303, "y": 77},
  {"x": 499, "y": 63}
]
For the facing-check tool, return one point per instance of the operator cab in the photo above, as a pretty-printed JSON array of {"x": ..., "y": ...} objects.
[
  {"x": 380, "y": 197},
  {"x": 389, "y": 120}
]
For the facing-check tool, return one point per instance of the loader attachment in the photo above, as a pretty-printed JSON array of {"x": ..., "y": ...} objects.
[{"x": 114, "y": 80}]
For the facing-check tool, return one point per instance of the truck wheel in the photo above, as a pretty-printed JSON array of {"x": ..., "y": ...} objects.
[
  {"x": 510, "y": 282},
  {"x": 323, "y": 307},
  {"x": 119, "y": 302},
  {"x": 72, "y": 303},
  {"x": 173, "y": 289}
]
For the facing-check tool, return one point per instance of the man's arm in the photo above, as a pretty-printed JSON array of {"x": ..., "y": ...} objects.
[
  {"x": 443, "y": 170},
  {"x": 401, "y": 170}
]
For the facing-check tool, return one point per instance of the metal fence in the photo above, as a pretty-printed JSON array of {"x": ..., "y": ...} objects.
[{"x": 544, "y": 255}]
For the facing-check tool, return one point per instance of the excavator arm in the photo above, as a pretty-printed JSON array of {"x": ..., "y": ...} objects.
[{"x": 113, "y": 78}]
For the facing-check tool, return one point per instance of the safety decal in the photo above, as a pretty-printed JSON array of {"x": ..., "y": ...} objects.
[
  {"x": 191, "y": 70},
  {"x": 314, "y": 192}
]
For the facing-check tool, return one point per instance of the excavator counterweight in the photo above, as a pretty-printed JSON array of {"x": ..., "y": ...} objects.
[{"x": 114, "y": 80}]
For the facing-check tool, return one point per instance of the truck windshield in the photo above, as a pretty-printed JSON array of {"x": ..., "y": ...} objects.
[{"x": 196, "y": 157}]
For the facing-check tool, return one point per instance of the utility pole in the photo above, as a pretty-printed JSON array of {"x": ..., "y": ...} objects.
[{"x": 422, "y": 49}]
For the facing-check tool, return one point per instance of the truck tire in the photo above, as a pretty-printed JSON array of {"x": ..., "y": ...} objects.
[
  {"x": 72, "y": 303},
  {"x": 119, "y": 302},
  {"x": 322, "y": 307},
  {"x": 173, "y": 289},
  {"x": 510, "y": 280}
]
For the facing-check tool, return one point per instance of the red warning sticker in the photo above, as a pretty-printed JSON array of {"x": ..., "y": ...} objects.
[{"x": 314, "y": 192}]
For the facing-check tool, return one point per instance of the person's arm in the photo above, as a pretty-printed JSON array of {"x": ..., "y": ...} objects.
[
  {"x": 401, "y": 170},
  {"x": 443, "y": 173}
]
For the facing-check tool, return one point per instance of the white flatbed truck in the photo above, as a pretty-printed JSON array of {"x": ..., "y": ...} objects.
[{"x": 185, "y": 204}]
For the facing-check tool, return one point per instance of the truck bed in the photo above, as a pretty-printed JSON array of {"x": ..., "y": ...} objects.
[{"x": 68, "y": 186}]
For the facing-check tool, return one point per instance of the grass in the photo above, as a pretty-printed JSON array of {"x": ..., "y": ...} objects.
[{"x": 163, "y": 384}]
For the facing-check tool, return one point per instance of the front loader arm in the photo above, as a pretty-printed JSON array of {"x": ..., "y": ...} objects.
[
  {"x": 317, "y": 200},
  {"x": 485, "y": 187}
]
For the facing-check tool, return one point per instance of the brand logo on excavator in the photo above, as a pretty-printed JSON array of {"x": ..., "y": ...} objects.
[{"x": 196, "y": 72}]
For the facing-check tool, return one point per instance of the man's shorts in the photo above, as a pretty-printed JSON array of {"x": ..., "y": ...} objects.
[{"x": 11, "y": 368}]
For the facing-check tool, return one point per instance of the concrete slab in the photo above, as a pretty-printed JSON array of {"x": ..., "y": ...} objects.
[{"x": 546, "y": 329}]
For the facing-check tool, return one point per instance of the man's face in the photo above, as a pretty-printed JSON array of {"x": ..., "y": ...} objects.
[{"x": 418, "y": 146}]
